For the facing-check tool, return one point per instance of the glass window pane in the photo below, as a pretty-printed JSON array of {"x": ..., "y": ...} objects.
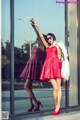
[
  {"x": 5, "y": 46},
  {"x": 50, "y": 18}
]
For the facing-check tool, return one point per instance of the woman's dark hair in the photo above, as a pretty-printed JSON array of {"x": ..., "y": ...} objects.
[
  {"x": 53, "y": 36},
  {"x": 39, "y": 41}
]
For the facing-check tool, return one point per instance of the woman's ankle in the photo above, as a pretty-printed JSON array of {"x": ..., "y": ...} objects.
[{"x": 57, "y": 107}]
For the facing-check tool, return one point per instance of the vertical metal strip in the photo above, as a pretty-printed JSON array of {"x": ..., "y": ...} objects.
[
  {"x": 66, "y": 43},
  {"x": 78, "y": 36},
  {"x": 0, "y": 64},
  {"x": 12, "y": 57}
]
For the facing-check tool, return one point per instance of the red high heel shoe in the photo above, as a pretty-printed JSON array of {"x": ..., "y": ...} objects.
[
  {"x": 37, "y": 108},
  {"x": 31, "y": 108},
  {"x": 56, "y": 112}
]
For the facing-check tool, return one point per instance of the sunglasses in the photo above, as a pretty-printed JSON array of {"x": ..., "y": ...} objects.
[{"x": 49, "y": 38}]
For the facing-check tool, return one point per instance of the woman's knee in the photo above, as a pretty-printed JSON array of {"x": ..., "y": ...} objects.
[
  {"x": 28, "y": 85},
  {"x": 58, "y": 81},
  {"x": 25, "y": 87},
  {"x": 54, "y": 84},
  {"x": 56, "y": 88}
]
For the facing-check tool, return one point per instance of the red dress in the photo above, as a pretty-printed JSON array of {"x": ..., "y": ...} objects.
[
  {"x": 52, "y": 65},
  {"x": 33, "y": 68}
]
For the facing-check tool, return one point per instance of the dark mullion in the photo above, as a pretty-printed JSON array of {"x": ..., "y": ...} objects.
[
  {"x": 66, "y": 43},
  {"x": 12, "y": 58}
]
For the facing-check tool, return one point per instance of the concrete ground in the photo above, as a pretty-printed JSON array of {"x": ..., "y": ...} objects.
[
  {"x": 21, "y": 106},
  {"x": 74, "y": 115}
]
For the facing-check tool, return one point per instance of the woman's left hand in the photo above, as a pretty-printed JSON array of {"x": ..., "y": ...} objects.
[{"x": 33, "y": 21}]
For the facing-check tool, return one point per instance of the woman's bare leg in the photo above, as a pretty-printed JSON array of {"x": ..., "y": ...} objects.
[
  {"x": 55, "y": 90},
  {"x": 58, "y": 80},
  {"x": 28, "y": 88}
]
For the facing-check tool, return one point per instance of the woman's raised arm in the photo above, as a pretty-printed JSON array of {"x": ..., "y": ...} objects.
[{"x": 38, "y": 31}]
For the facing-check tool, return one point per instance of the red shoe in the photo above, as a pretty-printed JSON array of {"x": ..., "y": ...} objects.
[{"x": 56, "y": 112}]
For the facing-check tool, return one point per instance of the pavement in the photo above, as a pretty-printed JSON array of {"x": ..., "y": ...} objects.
[
  {"x": 22, "y": 104},
  {"x": 74, "y": 115}
]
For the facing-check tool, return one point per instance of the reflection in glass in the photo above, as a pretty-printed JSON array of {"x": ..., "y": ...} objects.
[
  {"x": 5, "y": 55},
  {"x": 47, "y": 19},
  {"x": 50, "y": 17}
]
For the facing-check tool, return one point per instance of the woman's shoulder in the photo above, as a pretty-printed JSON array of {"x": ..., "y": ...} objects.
[{"x": 57, "y": 45}]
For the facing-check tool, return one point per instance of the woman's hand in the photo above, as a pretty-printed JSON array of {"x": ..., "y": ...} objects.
[
  {"x": 38, "y": 31},
  {"x": 33, "y": 21}
]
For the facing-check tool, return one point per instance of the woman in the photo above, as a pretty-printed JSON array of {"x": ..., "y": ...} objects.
[
  {"x": 32, "y": 72},
  {"x": 51, "y": 70}
]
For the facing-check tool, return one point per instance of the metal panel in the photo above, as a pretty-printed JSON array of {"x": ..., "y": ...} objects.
[
  {"x": 66, "y": 43},
  {"x": 78, "y": 25},
  {"x": 12, "y": 57},
  {"x": 73, "y": 92}
]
